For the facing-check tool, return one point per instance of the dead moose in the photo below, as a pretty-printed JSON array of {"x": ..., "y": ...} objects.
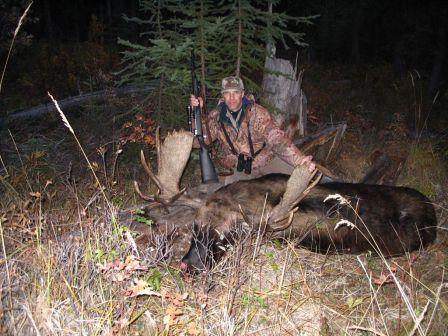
[{"x": 334, "y": 216}]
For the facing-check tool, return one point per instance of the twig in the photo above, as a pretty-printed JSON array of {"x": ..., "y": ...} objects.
[{"x": 373, "y": 331}]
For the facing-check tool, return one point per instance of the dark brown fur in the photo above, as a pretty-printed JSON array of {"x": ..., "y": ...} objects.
[{"x": 390, "y": 220}]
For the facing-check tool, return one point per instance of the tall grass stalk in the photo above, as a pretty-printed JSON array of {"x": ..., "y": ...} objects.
[
  {"x": 260, "y": 231},
  {"x": 8, "y": 275},
  {"x": 375, "y": 246},
  {"x": 4, "y": 167},
  {"x": 420, "y": 319},
  {"x": 436, "y": 304},
  {"x": 375, "y": 294},
  {"x": 27, "y": 309},
  {"x": 16, "y": 32},
  {"x": 21, "y": 162},
  {"x": 419, "y": 107},
  {"x": 67, "y": 124}
]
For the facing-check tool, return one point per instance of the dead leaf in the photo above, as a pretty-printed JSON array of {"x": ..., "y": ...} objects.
[
  {"x": 193, "y": 330},
  {"x": 120, "y": 271},
  {"x": 140, "y": 287},
  {"x": 174, "y": 311},
  {"x": 383, "y": 280},
  {"x": 353, "y": 302}
]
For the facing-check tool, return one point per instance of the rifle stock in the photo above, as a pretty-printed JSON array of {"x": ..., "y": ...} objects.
[{"x": 208, "y": 171}]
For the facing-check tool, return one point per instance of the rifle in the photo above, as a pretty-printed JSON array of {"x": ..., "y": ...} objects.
[{"x": 208, "y": 170}]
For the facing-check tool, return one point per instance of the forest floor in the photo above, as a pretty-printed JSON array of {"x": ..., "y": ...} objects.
[{"x": 68, "y": 267}]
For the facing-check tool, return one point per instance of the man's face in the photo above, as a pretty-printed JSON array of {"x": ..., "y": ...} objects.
[{"x": 233, "y": 99}]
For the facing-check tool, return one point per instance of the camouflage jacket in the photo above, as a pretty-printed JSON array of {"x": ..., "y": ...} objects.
[{"x": 263, "y": 130}]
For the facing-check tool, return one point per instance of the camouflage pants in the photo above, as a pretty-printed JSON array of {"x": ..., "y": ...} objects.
[{"x": 276, "y": 165}]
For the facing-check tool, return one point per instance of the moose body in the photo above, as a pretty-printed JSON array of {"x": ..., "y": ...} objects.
[{"x": 386, "y": 219}]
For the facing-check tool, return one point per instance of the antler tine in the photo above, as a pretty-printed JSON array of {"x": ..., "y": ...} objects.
[
  {"x": 176, "y": 197},
  {"x": 149, "y": 171},
  {"x": 290, "y": 214},
  {"x": 317, "y": 175},
  {"x": 296, "y": 189},
  {"x": 145, "y": 197},
  {"x": 155, "y": 198}
]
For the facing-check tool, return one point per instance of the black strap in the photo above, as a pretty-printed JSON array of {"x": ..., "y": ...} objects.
[
  {"x": 251, "y": 145},
  {"x": 232, "y": 148}
]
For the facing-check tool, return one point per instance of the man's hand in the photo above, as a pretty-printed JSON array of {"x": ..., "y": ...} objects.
[
  {"x": 196, "y": 101},
  {"x": 308, "y": 162}
]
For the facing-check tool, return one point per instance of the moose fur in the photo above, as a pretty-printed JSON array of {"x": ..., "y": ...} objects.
[{"x": 384, "y": 219}]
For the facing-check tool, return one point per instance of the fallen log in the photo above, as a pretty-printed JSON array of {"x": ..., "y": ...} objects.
[{"x": 96, "y": 96}]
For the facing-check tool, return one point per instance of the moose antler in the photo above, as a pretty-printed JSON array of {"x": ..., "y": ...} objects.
[
  {"x": 297, "y": 187},
  {"x": 172, "y": 157}
]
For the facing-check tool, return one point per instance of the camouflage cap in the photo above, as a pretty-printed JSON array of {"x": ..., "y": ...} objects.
[{"x": 232, "y": 83}]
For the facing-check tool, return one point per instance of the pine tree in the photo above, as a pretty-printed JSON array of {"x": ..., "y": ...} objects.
[
  {"x": 162, "y": 57},
  {"x": 228, "y": 38},
  {"x": 251, "y": 26}
]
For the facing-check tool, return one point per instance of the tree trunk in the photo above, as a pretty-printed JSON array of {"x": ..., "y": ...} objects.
[{"x": 282, "y": 91}]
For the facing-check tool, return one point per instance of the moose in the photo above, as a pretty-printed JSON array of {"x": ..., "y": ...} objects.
[{"x": 332, "y": 216}]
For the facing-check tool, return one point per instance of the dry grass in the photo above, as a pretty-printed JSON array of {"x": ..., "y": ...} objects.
[
  {"x": 53, "y": 282},
  {"x": 58, "y": 238}
]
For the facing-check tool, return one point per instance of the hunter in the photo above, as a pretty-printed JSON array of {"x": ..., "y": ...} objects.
[{"x": 252, "y": 142}]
